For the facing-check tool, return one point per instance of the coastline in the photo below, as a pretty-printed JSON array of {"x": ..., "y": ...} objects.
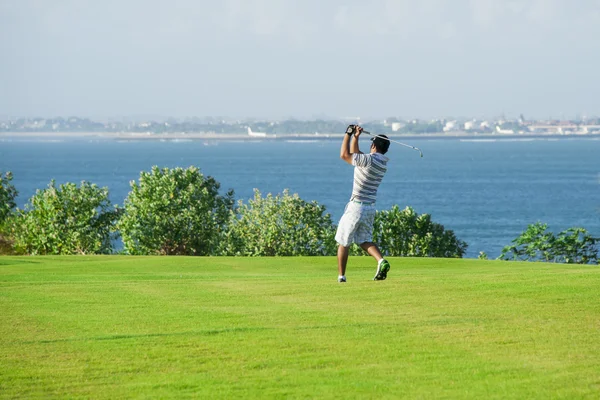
[{"x": 269, "y": 137}]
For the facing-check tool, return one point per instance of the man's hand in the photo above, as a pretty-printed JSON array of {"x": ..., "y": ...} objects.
[{"x": 357, "y": 131}]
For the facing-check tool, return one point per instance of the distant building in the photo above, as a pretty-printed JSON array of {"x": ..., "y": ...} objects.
[
  {"x": 450, "y": 126},
  {"x": 396, "y": 126}
]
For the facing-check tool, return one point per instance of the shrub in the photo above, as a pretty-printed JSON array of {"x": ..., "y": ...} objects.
[
  {"x": 6, "y": 245},
  {"x": 174, "y": 212},
  {"x": 406, "y": 233},
  {"x": 281, "y": 225},
  {"x": 69, "y": 219},
  {"x": 536, "y": 243},
  {"x": 576, "y": 246}
]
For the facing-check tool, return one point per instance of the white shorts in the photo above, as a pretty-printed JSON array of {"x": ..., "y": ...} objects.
[{"x": 356, "y": 225}]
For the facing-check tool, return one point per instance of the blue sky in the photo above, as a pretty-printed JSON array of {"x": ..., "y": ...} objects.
[{"x": 302, "y": 59}]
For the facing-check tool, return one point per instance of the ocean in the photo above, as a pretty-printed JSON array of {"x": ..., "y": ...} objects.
[{"x": 486, "y": 191}]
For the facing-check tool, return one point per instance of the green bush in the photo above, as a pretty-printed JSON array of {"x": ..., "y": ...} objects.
[
  {"x": 536, "y": 243},
  {"x": 406, "y": 233},
  {"x": 174, "y": 212},
  {"x": 282, "y": 225},
  {"x": 69, "y": 219},
  {"x": 8, "y": 194}
]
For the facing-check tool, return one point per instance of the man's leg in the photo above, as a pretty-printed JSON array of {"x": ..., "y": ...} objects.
[
  {"x": 372, "y": 249},
  {"x": 342, "y": 256},
  {"x": 345, "y": 236}
]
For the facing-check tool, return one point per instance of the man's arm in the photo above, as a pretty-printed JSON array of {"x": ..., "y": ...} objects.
[
  {"x": 354, "y": 142},
  {"x": 350, "y": 146}
]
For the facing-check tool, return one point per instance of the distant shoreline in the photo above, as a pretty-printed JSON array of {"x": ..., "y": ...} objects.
[{"x": 272, "y": 137}]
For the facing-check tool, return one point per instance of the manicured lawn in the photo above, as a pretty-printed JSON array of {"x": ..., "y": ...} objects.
[{"x": 177, "y": 327}]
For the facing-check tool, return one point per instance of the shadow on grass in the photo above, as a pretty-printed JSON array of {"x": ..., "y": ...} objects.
[
  {"x": 191, "y": 333},
  {"x": 12, "y": 261}
]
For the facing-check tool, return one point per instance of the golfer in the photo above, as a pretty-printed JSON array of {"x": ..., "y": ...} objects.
[{"x": 356, "y": 225}]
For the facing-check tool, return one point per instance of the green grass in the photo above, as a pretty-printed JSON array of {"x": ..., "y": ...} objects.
[{"x": 177, "y": 327}]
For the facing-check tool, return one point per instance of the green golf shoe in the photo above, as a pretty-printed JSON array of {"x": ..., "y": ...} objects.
[{"x": 382, "y": 270}]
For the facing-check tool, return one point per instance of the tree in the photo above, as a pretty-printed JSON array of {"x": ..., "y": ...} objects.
[
  {"x": 422, "y": 127},
  {"x": 536, "y": 243},
  {"x": 174, "y": 211},
  {"x": 406, "y": 233},
  {"x": 281, "y": 225},
  {"x": 68, "y": 219}
]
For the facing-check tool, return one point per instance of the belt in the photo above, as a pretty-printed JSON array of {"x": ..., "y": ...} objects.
[{"x": 363, "y": 203}]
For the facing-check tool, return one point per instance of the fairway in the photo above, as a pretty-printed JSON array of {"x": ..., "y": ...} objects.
[{"x": 192, "y": 327}]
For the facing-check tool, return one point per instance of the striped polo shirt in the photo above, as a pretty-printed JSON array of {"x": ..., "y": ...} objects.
[{"x": 369, "y": 170}]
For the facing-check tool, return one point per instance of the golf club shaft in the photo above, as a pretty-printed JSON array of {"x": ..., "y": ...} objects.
[{"x": 394, "y": 141}]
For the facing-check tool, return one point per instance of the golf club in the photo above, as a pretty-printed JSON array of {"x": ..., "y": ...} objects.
[{"x": 394, "y": 141}]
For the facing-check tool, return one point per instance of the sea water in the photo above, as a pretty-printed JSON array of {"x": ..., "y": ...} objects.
[{"x": 487, "y": 192}]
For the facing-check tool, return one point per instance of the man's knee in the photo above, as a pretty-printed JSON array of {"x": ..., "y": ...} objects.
[{"x": 366, "y": 245}]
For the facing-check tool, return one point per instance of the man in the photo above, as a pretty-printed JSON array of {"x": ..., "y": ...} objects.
[{"x": 356, "y": 225}]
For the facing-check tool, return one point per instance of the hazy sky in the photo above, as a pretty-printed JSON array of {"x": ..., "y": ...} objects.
[{"x": 303, "y": 59}]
